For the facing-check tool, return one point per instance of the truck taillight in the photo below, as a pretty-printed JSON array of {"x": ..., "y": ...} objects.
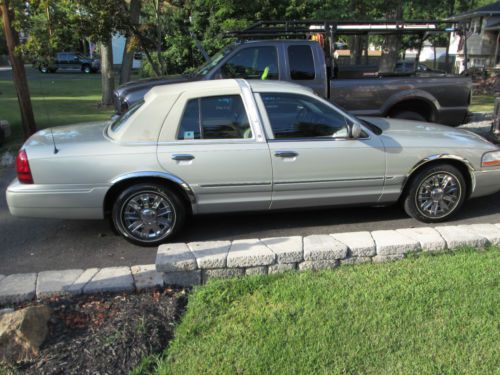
[{"x": 23, "y": 168}]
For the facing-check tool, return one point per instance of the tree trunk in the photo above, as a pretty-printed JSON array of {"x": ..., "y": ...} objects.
[
  {"x": 18, "y": 72},
  {"x": 392, "y": 44},
  {"x": 107, "y": 74},
  {"x": 128, "y": 56}
]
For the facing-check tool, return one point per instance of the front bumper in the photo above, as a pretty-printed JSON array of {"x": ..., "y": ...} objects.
[
  {"x": 485, "y": 182},
  {"x": 56, "y": 201}
]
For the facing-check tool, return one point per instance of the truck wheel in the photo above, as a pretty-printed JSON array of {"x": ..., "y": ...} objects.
[
  {"x": 435, "y": 193},
  {"x": 409, "y": 115},
  {"x": 44, "y": 69},
  {"x": 148, "y": 214},
  {"x": 86, "y": 69}
]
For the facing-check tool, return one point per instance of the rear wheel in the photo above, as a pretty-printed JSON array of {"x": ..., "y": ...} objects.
[
  {"x": 435, "y": 193},
  {"x": 86, "y": 69},
  {"x": 409, "y": 115},
  {"x": 148, "y": 214},
  {"x": 44, "y": 69}
]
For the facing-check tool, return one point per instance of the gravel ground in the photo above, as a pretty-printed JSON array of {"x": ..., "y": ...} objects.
[{"x": 106, "y": 334}]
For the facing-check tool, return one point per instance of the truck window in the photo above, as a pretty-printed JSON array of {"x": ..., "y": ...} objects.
[
  {"x": 214, "y": 117},
  {"x": 301, "y": 62},
  {"x": 252, "y": 63},
  {"x": 300, "y": 116}
]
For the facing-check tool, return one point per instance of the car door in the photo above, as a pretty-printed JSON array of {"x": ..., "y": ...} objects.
[
  {"x": 73, "y": 62},
  {"x": 314, "y": 161},
  {"x": 210, "y": 142}
]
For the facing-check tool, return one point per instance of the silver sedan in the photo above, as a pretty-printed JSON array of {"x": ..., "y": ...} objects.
[{"x": 235, "y": 145}]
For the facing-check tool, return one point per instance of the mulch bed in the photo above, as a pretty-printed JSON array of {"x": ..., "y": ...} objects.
[{"x": 108, "y": 333}]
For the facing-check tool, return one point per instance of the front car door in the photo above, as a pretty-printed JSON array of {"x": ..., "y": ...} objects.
[
  {"x": 315, "y": 163},
  {"x": 214, "y": 142}
]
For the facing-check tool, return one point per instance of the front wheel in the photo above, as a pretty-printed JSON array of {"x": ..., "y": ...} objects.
[
  {"x": 86, "y": 69},
  {"x": 435, "y": 193},
  {"x": 148, "y": 214}
]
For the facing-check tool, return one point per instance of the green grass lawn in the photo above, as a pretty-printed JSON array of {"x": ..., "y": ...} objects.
[
  {"x": 423, "y": 315},
  {"x": 482, "y": 103},
  {"x": 55, "y": 102}
]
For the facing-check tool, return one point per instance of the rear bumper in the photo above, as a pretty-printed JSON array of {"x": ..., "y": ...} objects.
[
  {"x": 486, "y": 182},
  {"x": 56, "y": 201}
]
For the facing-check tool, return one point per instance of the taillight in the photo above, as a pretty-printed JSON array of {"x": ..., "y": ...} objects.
[{"x": 23, "y": 168}]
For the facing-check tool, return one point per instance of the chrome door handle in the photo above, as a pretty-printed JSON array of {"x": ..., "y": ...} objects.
[
  {"x": 286, "y": 154},
  {"x": 182, "y": 157}
]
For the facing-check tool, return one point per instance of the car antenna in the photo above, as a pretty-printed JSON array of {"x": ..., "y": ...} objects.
[{"x": 54, "y": 142}]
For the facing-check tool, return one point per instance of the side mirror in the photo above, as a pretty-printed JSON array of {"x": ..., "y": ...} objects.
[{"x": 354, "y": 131}]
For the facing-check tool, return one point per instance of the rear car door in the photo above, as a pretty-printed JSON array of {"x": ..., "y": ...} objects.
[
  {"x": 213, "y": 141},
  {"x": 315, "y": 163}
]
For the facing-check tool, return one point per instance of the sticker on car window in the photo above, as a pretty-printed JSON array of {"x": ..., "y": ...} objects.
[{"x": 189, "y": 135}]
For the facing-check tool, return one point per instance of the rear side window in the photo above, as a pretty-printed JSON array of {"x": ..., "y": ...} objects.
[
  {"x": 118, "y": 123},
  {"x": 214, "y": 117},
  {"x": 301, "y": 62}
]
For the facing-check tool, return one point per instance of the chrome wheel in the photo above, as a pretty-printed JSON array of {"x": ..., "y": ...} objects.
[
  {"x": 148, "y": 216},
  {"x": 438, "y": 195}
]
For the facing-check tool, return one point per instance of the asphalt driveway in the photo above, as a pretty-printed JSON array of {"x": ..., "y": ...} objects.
[{"x": 31, "y": 245}]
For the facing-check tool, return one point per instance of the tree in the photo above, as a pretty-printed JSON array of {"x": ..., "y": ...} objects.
[
  {"x": 18, "y": 71},
  {"x": 128, "y": 53}
]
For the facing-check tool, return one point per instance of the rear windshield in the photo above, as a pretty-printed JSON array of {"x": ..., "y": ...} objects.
[{"x": 118, "y": 123}]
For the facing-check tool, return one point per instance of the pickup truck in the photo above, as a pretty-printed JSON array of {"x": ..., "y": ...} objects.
[
  {"x": 70, "y": 61},
  {"x": 423, "y": 96}
]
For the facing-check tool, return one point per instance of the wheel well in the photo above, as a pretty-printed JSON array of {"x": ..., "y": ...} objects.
[
  {"x": 456, "y": 163},
  {"x": 420, "y": 106},
  {"x": 117, "y": 188}
]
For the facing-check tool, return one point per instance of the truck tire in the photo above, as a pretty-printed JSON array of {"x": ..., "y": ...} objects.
[
  {"x": 409, "y": 115},
  {"x": 86, "y": 69}
]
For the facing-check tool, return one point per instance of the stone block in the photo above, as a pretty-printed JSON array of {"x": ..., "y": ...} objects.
[
  {"x": 249, "y": 253},
  {"x": 387, "y": 258},
  {"x": 146, "y": 277},
  {"x": 18, "y": 288},
  {"x": 287, "y": 249},
  {"x": 222, "y": 273},
  {"x": 360, "y": 244},
  {"x": 316, "y": 265},
  {"x": 428, "y": 238},
  {"x": 182, "y": 278},
  {"x": 81, "y": 281},
  {"x": 323, "y": 247},
  {"x": 282, "y": 267},
  {"x": 210, "y": 254},
  {"x": 175, "y": 257},
  {"x": 489, "y": 231},
  {"x": 52, "y": 283},
  {"x": 457, "y": 237},
  {"x": 390, "y": 242},
  {"x": 355, "y": 260},
  {"x": 259, "y": 270},
  {"x": 111, "y": 279}
]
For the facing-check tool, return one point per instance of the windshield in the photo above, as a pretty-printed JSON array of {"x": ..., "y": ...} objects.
[
  {"x": 118, "y": 123},
  {"x": 214, "y": 60}
]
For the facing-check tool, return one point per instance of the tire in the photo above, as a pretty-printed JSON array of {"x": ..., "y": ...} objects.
[
  {"x": 44, "y": 69},
  {"x": 135, "y": 207},
  {"x": 427, "y": 200},
  {"x": 409, "y": 115},
  {"x": 86, "y": 69}
]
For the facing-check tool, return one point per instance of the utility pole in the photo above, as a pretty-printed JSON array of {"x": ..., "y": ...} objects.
[{"x": 18, "y": 71}]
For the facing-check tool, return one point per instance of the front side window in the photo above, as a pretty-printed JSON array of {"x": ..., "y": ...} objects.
[
  {"x": 301, "y": 62},
  {"x": 252, "y": 63},
  {"x": 299, "y": 116},
  {"x": 214, "y": 117}
]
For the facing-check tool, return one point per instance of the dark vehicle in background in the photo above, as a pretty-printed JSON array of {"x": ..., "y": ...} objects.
[
  {"x": 420, "y": 94},
  {"x": 70, "y": 62},
  {"x": 410, "y": 67}
]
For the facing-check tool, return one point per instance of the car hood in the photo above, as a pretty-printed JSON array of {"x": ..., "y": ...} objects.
[
  {"x": 147, "y": 83},
  {"x": 409, "y": 133}
]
